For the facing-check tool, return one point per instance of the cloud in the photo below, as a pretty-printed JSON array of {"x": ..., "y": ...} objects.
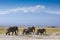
[
  {"x": 24, "y": 9},
  {"x": 33, "y": 9},
  {"x": 53, "y": 12}
]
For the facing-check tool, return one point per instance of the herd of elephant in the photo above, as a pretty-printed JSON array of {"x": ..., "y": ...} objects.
[{"x": 29, "y": 30}]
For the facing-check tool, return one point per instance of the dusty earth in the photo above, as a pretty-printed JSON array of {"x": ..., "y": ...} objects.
[{"x": 30, "y": 37}]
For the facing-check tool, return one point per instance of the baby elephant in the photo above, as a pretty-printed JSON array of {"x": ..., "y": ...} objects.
[{"x": 41, "y": 31}]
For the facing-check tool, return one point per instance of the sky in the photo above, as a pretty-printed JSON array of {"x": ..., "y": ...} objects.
[{"x": 30, "y": 12}]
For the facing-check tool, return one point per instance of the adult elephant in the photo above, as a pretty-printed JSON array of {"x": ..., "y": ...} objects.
[
  {"x": 41, "y": 31},
  {"x": 13, "y": 29},
  {"x": 29, "y": 30}
]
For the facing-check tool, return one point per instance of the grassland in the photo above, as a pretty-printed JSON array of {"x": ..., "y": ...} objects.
[{"x": 48, "y": 30}]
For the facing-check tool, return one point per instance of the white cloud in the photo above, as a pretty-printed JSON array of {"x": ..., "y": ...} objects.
[
  {"x": 33, "y": 9},
  {"x": 24, "y": 9},
  {"x": 53, "y": 12}
]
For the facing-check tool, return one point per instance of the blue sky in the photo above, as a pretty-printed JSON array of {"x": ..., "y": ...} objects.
[{"x": 30, "y": 12}]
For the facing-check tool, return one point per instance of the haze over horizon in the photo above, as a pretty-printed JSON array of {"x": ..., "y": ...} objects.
[{"x": 30, "y": 12}]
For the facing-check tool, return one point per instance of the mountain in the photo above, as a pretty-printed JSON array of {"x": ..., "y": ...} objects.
[{"x": 43, "y": 19}]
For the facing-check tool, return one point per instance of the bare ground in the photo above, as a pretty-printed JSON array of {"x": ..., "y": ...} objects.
[{"x": 30, "y": 37}]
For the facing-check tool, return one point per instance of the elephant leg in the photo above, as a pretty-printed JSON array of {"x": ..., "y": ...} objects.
[
  {"x": 37, "y": 33},
  {"x": 15, "y": 33},
  {"x": 26, "y": 32},
  {"x": 9, "y": 33},
  {"x": 40, "y": 33},
  {"x": 33, "y": 33},
  {"x": 23, "y": 32},
  {"x": 43, "y": 33},
  {"x": 6, "y": 33},
  {"x": 12, "y": 33}
]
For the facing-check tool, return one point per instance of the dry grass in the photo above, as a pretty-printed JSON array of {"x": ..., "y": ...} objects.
[
  {"x": 52, "y": 30},
  {"x": 48, "y": 30}
]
